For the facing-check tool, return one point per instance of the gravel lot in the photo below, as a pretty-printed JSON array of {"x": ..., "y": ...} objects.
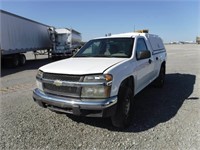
[{"x": 167, "y": 118}]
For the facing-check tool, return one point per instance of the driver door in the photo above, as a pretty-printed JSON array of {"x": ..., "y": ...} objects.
[{"x": 144, "y": 66}]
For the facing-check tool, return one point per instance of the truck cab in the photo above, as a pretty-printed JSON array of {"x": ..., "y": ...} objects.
[{"x": 102, "y": 79}]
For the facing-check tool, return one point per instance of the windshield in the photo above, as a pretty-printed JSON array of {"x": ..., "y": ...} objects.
[{"x": 110, "y": 47}]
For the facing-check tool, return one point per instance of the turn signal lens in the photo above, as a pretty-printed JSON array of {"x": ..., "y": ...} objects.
[{"x": 108, "y": 77}]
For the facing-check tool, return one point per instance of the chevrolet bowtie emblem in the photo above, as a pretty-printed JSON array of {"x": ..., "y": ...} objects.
[{"x": 57, "y": 83}]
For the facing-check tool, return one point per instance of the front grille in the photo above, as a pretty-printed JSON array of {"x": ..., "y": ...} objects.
[
  {"x": 66, "y": 91},
  {"x": 62, "y": 77}
]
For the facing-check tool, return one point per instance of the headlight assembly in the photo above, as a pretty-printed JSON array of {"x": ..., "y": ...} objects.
[
  {"x": 101, "y": 90},
  {"x": 38, "y": 80},
  {"x": 39, "y": 85},
  {"x": 98, "y": 78},
  {"x": 39, "y": 74}
]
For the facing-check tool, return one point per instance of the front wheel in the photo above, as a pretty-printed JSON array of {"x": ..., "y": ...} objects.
[{"x": 122, "y": 116}]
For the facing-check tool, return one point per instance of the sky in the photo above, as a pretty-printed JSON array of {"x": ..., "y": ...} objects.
[{"x": 172, "y": 20}]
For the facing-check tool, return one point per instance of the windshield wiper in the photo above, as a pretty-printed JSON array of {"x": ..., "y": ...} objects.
[
  {"x": 93, "y": 56},
  {"x": 82, "y": 56}
]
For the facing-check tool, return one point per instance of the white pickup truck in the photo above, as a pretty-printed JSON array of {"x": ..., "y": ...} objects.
[{"x": 103, "y": 77}]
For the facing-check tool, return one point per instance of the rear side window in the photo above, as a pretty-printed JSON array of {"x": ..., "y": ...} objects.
[{"x": 156, "y": 43}]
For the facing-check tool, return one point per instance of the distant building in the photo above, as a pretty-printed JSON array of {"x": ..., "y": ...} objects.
[{"x": 198, "y": 39}]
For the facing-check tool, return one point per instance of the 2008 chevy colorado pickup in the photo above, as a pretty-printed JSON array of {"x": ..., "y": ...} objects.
[{"x": 103, "y": 77}]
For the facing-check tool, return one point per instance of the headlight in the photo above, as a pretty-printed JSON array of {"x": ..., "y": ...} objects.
[
  {"x": 39, "y": 74},
  {"x": 98, "y": 78},
  {"x": 39, "y": 85},
  {"x": 38, "y": 82},
  {"x": 97, "y": 91}
]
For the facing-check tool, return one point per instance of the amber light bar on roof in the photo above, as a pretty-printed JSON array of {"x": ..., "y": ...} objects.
[{"x": 142, "y": 31}]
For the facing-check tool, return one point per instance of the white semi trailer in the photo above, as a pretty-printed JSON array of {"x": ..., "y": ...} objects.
[
  {"x": 65, "y": 41},
  {"x": 19, "y": 35}
]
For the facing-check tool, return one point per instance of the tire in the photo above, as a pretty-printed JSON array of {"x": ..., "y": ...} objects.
[
  {"x": 123, "y": 115},
  {"x": 22, "y": 59},
  {"x": 160, "y": 80},
  {"x": 15, "y": 61}
]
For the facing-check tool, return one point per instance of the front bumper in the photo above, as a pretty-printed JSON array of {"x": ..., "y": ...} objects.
[{"x": 84, "y": 107}]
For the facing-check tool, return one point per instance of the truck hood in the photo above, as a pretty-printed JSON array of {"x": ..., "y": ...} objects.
[{"x": 79, "y": 66}]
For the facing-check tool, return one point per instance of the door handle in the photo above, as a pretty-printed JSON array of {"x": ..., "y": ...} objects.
[{"x": 150, "y": 61}]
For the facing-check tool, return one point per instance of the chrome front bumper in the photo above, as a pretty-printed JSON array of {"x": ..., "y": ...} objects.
[{"x": 85, "y": 107}]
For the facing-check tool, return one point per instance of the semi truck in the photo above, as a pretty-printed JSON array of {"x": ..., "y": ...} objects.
[
  {"x": 19, "y": 35},
  {"x": 65, "y": 41}
]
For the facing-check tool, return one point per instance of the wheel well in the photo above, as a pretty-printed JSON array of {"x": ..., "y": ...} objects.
[
  {"x": 129, "y": 82},
  {"x": 163, "y": 65}
]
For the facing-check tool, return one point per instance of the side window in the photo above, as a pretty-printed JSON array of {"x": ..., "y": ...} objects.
[
  {"x": 141, "y": 45},
  {"x": 142, "y": 51}
]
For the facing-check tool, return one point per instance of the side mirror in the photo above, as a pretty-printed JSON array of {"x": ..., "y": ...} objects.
[{"x": 143, "y": 54}]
